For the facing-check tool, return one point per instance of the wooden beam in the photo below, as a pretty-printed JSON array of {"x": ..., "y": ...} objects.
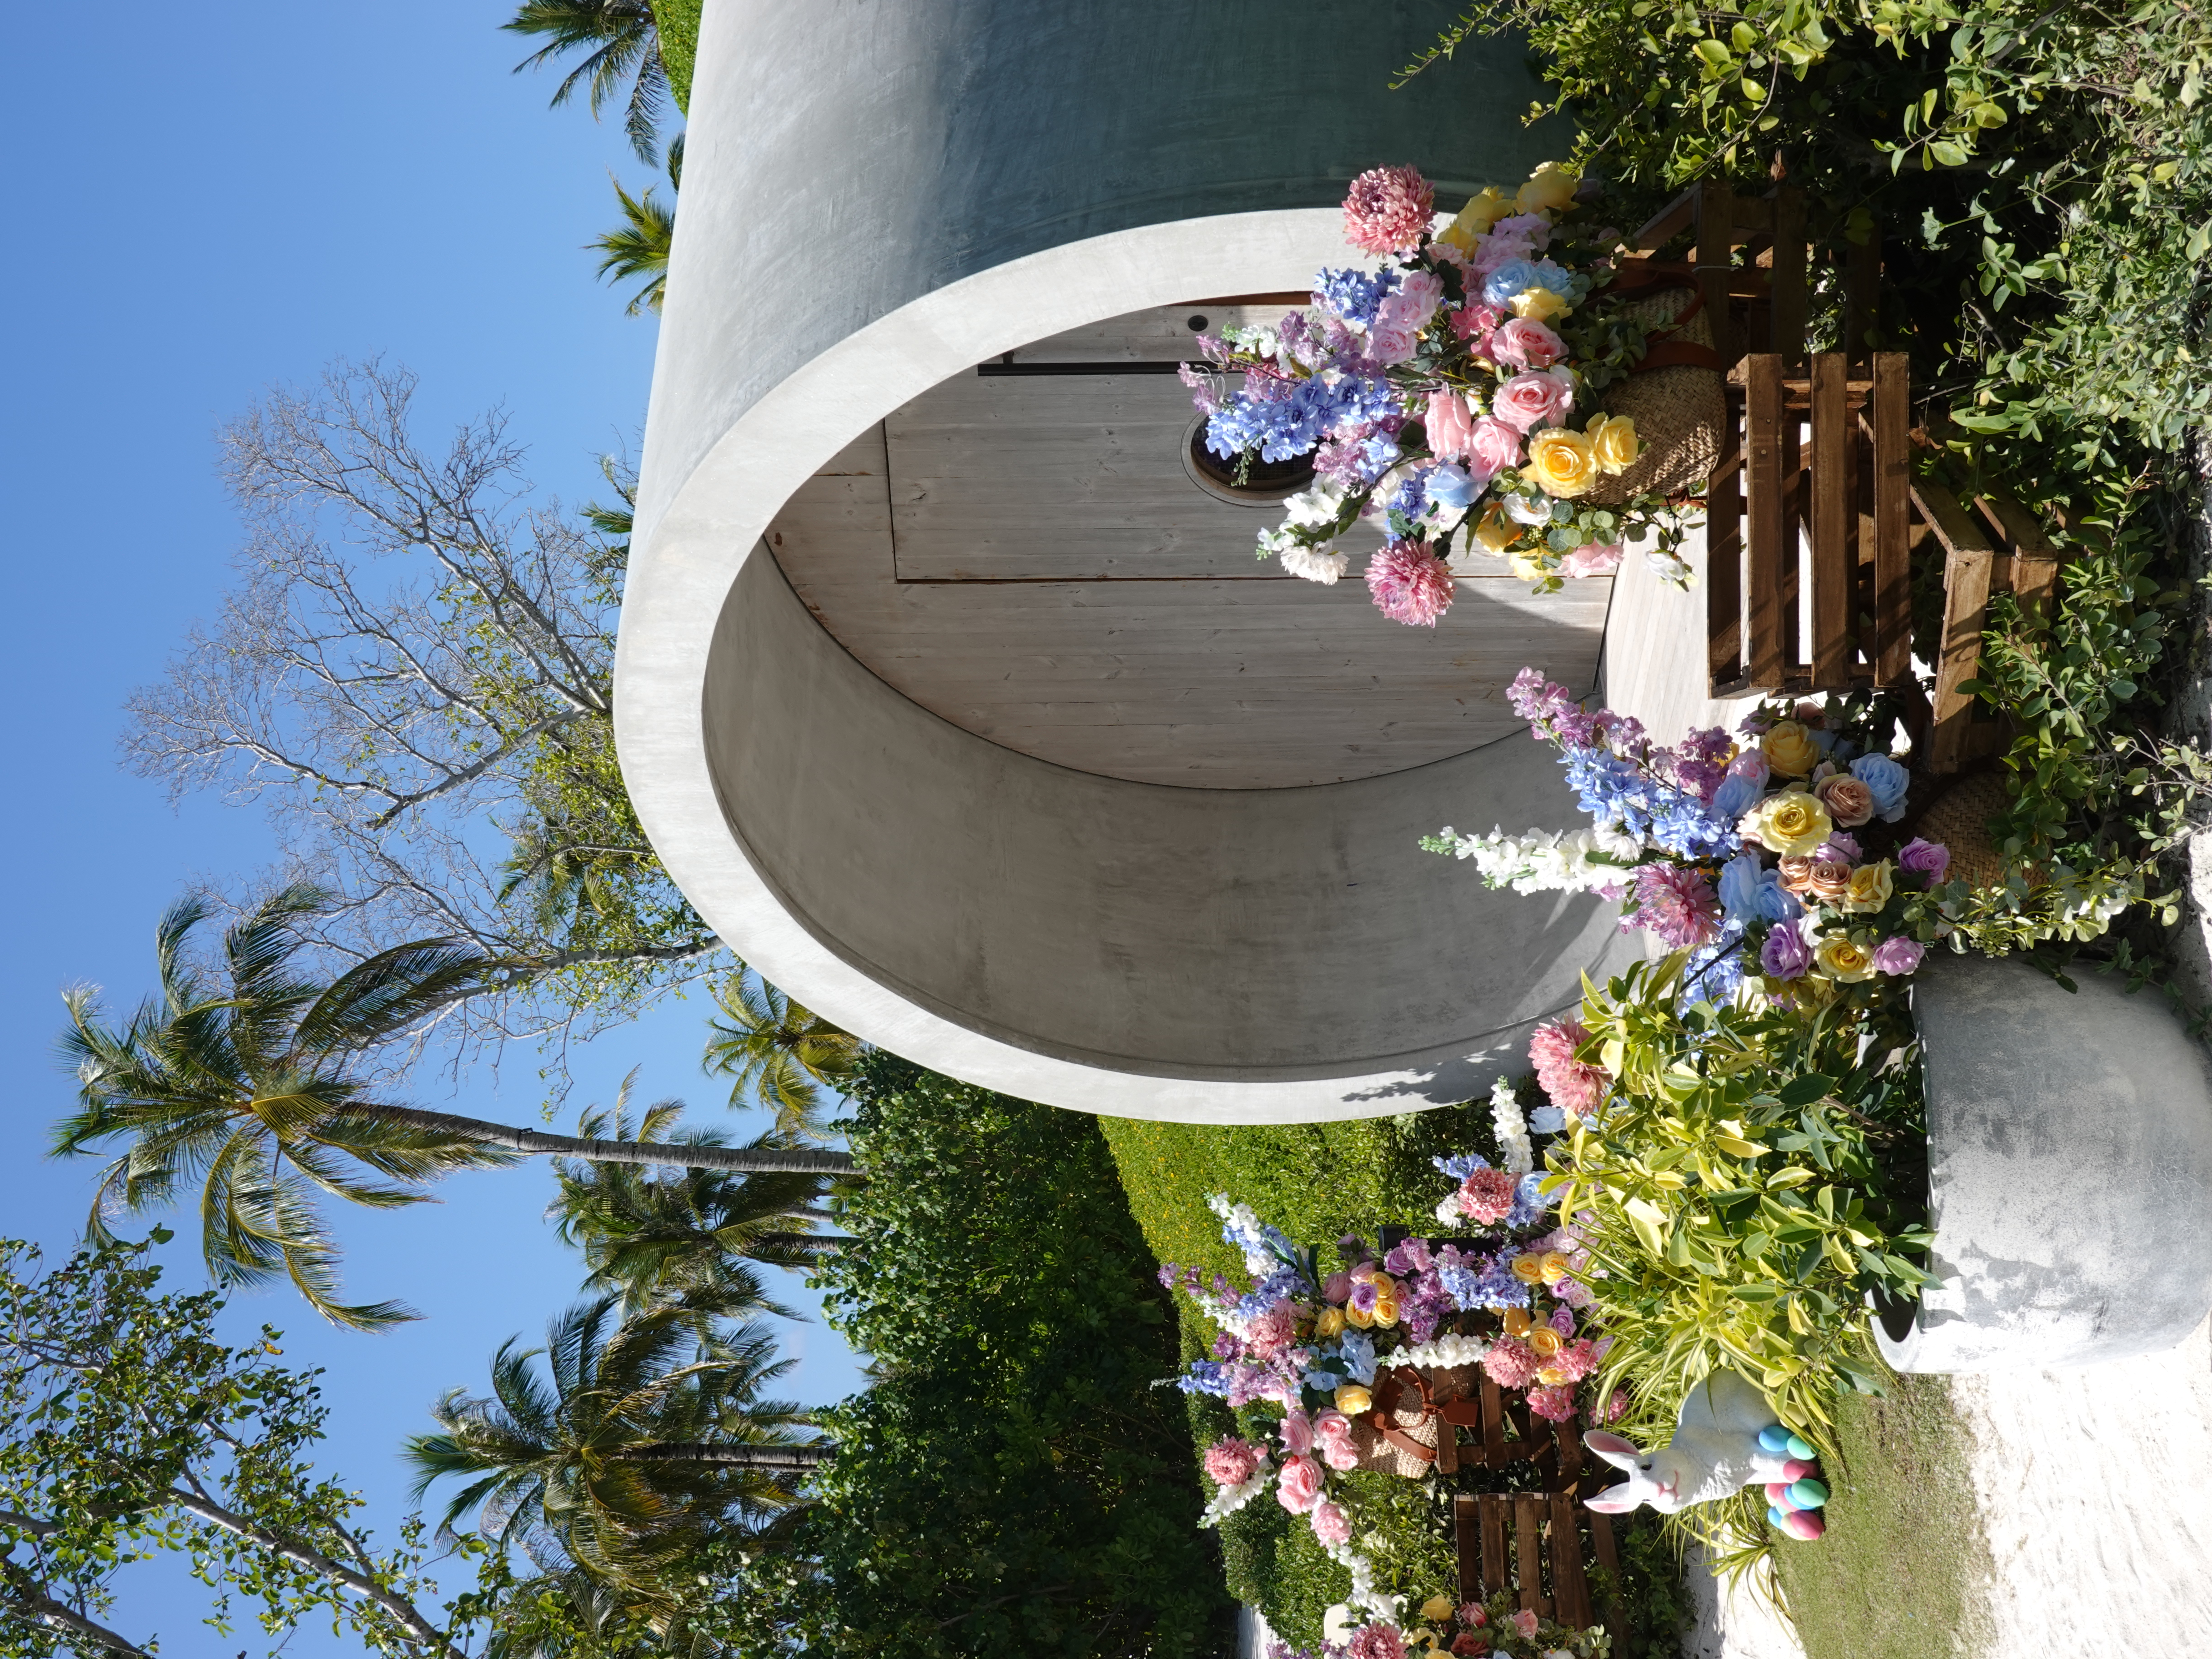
[
  {"x": 1567, "y": 1579},
  {"x": 1965, "y": 608},
  {"x": 1528, "y": 1517},
  {"x": 1495, "y": 1511},
  {"x": 1467, "y": 1539},
  {"x": 1832, "y": 526},
  {"x": 1716, "y": 260},
  {"x": 1953, "y": 528},
  {"x": 2035, "y": 560},
  {"x": 1892, "y": 483},
  {"x": 1790, "y": 299},
  {"x": 1762, "y": 417},
  {"x": 1493, "y": 1425},
  {"x": 1667, "y": 224},
  {"x": 1724, "y": 551}
]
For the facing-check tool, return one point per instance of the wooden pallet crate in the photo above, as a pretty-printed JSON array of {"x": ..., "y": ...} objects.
[{"x": 1538, "y": 1544}]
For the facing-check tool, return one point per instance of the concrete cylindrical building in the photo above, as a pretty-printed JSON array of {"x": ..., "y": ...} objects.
[{"x": 949, "y": 690}]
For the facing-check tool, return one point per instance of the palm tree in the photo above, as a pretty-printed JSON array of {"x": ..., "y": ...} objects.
[
  {"x": 780, "y": 1052},
  {"x": 663, "y": 1237},
  {"x": 622, "y": 1454},
  {"x": 638, "y": 247},
  {"x": 623, "y": 43},
  {"x": 262, "y": 1089}
]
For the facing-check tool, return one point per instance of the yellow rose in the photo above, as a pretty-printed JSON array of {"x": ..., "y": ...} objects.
[
  {"x": 1555, "y": 1267},
  {"x": 1352, "y": 1399},
  {"x": 1844, "y": 960},
  {"x": 1868, "y": 888},
  {"x": 1329, "y": 1322},
  {"x": 1789, "y": 748},
  {"x": 1540, "y": 303},
  {"x": 1437, "y": 1609},
  {"x": 1386, "y": 1312},
  {"x": 1476, "y": 218},
  {"x": 1546, "y": 1340},
  {"x": 1791, "y": 824},
  {"x": 1529, "y": 1269},
  {"x": 1517, "y": 1321},
  {"x": 1552, "y": 1375},
  {"x": 1561, "y": 462},
  {"x": 1496, "y": 531},
  {"x": 1613, "y": 442},
  {"x": 1357, "y": 1320},
  {"x": 1550, "y": 188}
]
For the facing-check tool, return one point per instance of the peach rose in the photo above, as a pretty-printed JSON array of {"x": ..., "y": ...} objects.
[
  {"x": 1797, "y": 873},
  {"x": 1850, "y": 802}
]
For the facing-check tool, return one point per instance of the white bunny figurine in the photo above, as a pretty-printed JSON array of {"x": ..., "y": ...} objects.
[{"x": 1715, "y": 1451}]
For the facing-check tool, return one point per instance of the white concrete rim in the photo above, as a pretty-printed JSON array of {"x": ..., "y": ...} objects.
[{"x": 689, "y": 548}]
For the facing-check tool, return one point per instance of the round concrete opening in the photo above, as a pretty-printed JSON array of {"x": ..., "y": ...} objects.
[{"x": 947, "y": 697}]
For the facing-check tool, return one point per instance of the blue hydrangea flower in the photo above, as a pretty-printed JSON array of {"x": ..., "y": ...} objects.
[
  {"x": 1282, "y": 426},
  {"x": 1357, "y": 1353}
]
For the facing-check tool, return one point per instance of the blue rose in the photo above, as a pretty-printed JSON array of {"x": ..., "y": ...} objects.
[
  {"x": 1509, "y": 279},
  {"x": 1546, "y": 1121},
  {"x": 1451, "y": 488},
  {"x": 1887, "y": 781},
  {"x": 1552, "y": 276},
  {"x": 1776, "y": 902},
  {"x": 1736, "y": 797},
  {"x": 1741, "y": 879}
]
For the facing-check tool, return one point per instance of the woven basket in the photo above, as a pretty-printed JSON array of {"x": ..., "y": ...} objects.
[
  {"x": 1960, "y": 819},
  {"x": 1678, "y": 412},
  {"x": 1410, "y": 1417}
]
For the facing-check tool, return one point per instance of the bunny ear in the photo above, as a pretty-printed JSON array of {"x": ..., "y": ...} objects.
[
  {"x": 1616, "y": 1500},
  {"x": 1621, "y": 1454}
]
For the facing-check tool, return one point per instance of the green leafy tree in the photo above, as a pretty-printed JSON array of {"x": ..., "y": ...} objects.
[
  {"x": 638, "y": 248},
  {"x": 780, "y": 1053},
  {"x": 664, "y": 1234},
  {"x": 1013, "y": 1482},
  {"x": 127, "y": 1432},
  {"x": 258, "y": 1085},
  {"x": 636, "y": 1444},
  {"x": 621, "y": 43}
]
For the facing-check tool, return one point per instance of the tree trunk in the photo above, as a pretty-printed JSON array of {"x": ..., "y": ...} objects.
[
  {"x": 531, "y": 1142},
  {"x": 741, "y": 1457}
]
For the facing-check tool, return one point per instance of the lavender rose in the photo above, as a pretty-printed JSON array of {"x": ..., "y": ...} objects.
[
  {"x": 1898, "y": 956},
  {"x": 1931, "y": 858},
  {"x": 1785, "y": 955}
]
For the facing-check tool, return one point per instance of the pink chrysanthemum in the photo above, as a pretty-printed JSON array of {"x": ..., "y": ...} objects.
[
  {"x": 1388, "y": 210},
  {"x": 1511, "y": 1362},
  {"x": 1410, "y": 584},
  {"x": 1377, "y": 1641},
  {"x": 1486, "y": 1195},
  {"x": 1578, "y": 1359},
  {"x": 1272, "y": 1331},
  {"x": 1575, "y": 1086},
  {"x": 1556, "y": 1401},
  {"x": 1677, "y": 905}
]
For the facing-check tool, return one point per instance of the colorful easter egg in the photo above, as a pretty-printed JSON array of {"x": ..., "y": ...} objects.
[
  {"x": 1777, "y": 1517},
  {"x": 1797, "y": 1468},
  {"x": 1799, "y": 1446},
  {"x": 1808, "y": 1494},
  {"x": 1778, "y": 1494},
  {"x": 1803, "y": 1525},
  {"x": 1774, "y": 1440}
]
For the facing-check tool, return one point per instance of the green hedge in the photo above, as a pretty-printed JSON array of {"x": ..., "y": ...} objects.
[
  {"x": 677, "y": 22},
  {"x": 1014, "y": 1482}
]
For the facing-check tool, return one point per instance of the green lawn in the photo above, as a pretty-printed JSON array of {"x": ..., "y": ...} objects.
[
  {"x": 678, "y": 21},
  {"x": 1895, "y": 1577}
]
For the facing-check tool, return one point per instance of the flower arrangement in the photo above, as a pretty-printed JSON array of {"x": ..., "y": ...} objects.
[
  {"x": 1457, "y": 390},
  {"x": 1768, "y": 861},
  {"x": 1466, "y": 1630},
  {"x": 1510, "y": 1298}
]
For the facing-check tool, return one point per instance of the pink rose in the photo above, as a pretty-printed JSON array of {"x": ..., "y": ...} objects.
[
  {"x": 1538, "y": 399},
  {"x": 1232, "y": 1461},
  {"x": 1473, "y": 1614},
  {"x": 1897, "y": 955},
  {"x": 1330, "y": 1524},
  {"x": 1524, "y": 343},
  {"x": 1297, "y": 1433},
  {"x": 1337, "y": 1288},
  {"x": 1472, "y": 322},
  {"x": 1752, "y": 764},
  {"x": 1298, "y": 1489},
  {"x": 1333, "y": 1429},
  {"x": 1592, "y": 559},
  {"x": 1494, "y": 250},
  {"x": 1417, "y": 299},
  {"x": 1525, "y": 1622},
  {"x": 1494, "y": 445},
  {"x": 1390, "y": 342},
  {"x": 1449, "y": 424}
]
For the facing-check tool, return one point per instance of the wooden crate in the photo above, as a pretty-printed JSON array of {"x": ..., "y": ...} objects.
[
  {"x": 1536, "y": 1544},
  {"x": 1998, "y": 547}
]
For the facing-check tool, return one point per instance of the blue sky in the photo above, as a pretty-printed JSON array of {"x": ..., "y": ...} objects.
[{"x": 251, "y": 191}]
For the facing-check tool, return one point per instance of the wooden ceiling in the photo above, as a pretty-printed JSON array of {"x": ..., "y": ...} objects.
[{"x": 1030, "y": 556}]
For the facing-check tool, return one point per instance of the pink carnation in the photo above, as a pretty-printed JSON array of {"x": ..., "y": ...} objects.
[
  {"x": 1486, "y": 1195},
  {"x": 1575, "y": 1086},
  {"x": 1524, "y": 343},
  {"x": 1555, "y": 1402},
  {"x": 1330, "y": 1524},
  {"x": 1388, "y": 210},
  {"x": 1449, "y": 424},
  {"x": 1511, "y": 1362},
  {"x": 1298, "y": 1488},
  {"x": 1377, "y": 1641},
  {"x": 1592, "y": 559},
  {"x": 1541, "y": 398},
  {"x": 1410, "y": 584},
  {"x": 1232, "y": 1461}
]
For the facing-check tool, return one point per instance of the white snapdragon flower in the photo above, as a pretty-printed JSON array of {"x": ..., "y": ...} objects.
[
  {"x": 1512, "y": 1129},
  {"x": 1560, "y": 861},
  {"x": 1314, "y": 506}
]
